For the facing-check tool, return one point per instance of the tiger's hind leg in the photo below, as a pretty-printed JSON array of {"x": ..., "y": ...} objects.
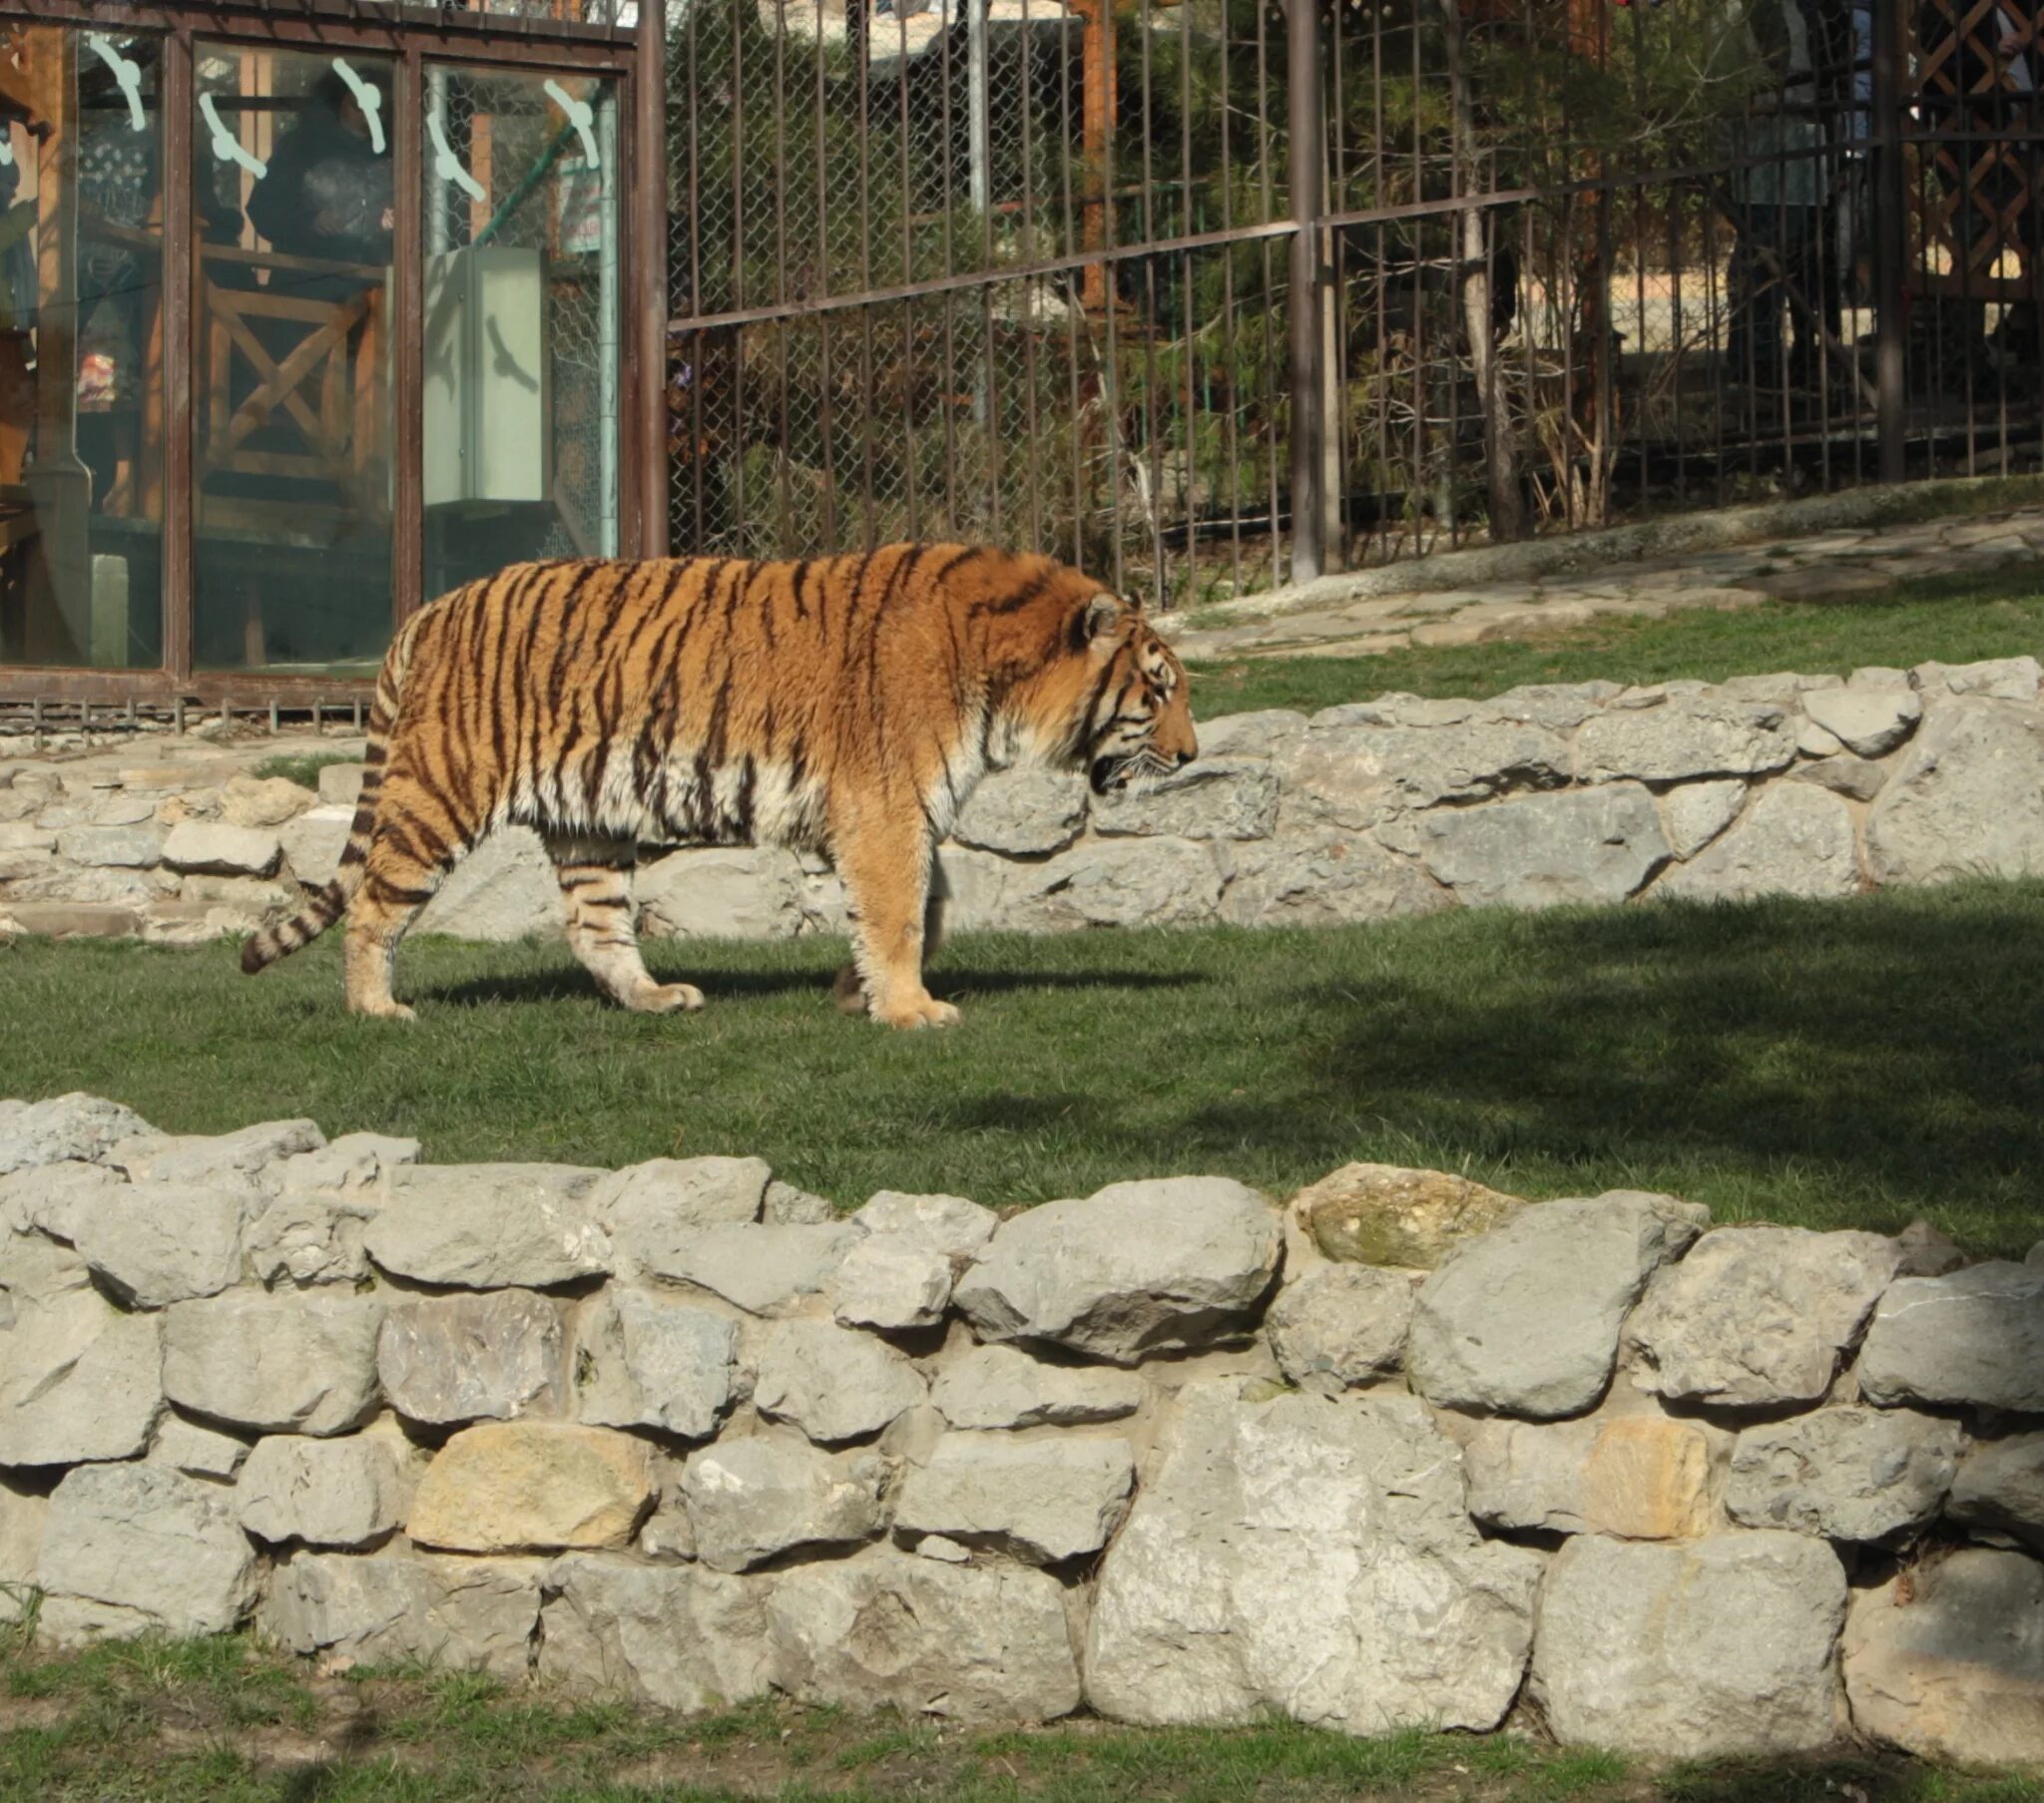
[
  {"x": 849, "y": 993},
  {"x": 408, "y": 859},
  {"x": 596, "y": 894}
]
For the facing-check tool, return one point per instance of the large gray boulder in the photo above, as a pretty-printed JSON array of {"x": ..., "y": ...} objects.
[
  {"x": 1972, "y": 1339},
  {"x": 250, "y": 1155},
  {"x": 156, "y": 1243},
  {"x": 751, "y": 1500},
  {"x": 456, "y": 1614},
  {"x": 648, "y": 1208},
  {"x": 2000, "y": 1489},
  {"x": 1869, "y": 721},
  {"x": 198, "y": 1452},
  {"x": 307, "y": 1236},
  {"x": 1215, "y": 798},
  {"x": 890, "y": 1284},
  {"x": 1537, "y": 851},
  {"x": 1024, "y": 812},
  {"x": 1637, "y": 1476},
  {"x": 132, "y": 1548},
  {"x": 505, "y": 889},
  {"x": 1313, "y": 1558},
  {"x": 1118, "y": 884},
  {"x": 1952, "y": 1667},
  {"x": 489, "y": 1226},
  {"x": 1326, "y": 882},
  {"x": 670, "y": 1635},
  {"x": 1685, "y": 736},
  {"x": 1963, "y": 801},
  {"x": 1004, "y": 1387},
  {"x": 75, "y": 1126},
  {"x": 288, "y": 1363},
  {"x": 1724, "y": 1647},
  {"x": 646, "y": 1361},
  {"x": 949, "y": 1225},
  {"x": 446, "y": 1360},
  {"x": 1756, "y": 1317},
  {"x": 1338, "y": 1326},
  {"x": 1853, "y": 1473},
  {"x": 1136, "y": 1269},
  {"x": 1525, "y": 1320},
  {"x": 347, "y": 1492},
  {"x": 889, "y": 1631},
  {"x": 762, "y": 1269},
  {"x": 79, "y": 1380},
  {"x": 1795, "y": 839},
  {"x": 833, "y": 1383},
  {"x": 1042, "y": 1501},
  {"x": 1353, "y": 774}
]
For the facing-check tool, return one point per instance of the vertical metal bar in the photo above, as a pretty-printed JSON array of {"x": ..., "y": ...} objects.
[
  {"x": 1890, "y": 242},
  {"x": 1305, "y": 124},
  {"x": 408, "y": 342},
  {"x": 180, "y": 347},
  {"x": 976, "y": 102}
]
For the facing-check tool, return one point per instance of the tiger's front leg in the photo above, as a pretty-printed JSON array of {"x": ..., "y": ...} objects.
[
  {"x": 885, "y": 864},
  {"x": 850, "y": 991}
]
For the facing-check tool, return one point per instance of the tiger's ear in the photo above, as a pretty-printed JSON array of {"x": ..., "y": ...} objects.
[{"x": 1100, "y": 617}]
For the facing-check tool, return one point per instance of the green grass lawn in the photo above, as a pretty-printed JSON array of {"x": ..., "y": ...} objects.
[
  {"x": 1827, "y": 1064},
  {"x": 215, "y": 1721},
  {"x": 1955, "y": 620}
]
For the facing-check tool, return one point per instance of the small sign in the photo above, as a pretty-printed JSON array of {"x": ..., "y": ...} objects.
[{"x": 582, "y": 211}]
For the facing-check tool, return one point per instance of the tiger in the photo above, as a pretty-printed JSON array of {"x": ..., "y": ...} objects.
[{"x": 844, "y": 705}]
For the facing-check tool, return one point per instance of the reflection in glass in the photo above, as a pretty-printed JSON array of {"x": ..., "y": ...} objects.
[
  {"x": 294, "y": 198},
  {"x": 81, "y": 349},
  {"x": 521, "y": 351}
]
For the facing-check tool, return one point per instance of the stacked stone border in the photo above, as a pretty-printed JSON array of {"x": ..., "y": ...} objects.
[
  {"x": 1403, "y": 1451},
  {"x": 1782, "y": 784}
]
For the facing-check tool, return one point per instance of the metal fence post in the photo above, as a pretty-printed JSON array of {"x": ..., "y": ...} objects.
[
  {"x": 1890, "y": 241},
  {"x": 1309, "y": 290}
]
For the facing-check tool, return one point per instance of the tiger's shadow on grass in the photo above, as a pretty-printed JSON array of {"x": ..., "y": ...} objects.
[{"x": 570, "y": 983}]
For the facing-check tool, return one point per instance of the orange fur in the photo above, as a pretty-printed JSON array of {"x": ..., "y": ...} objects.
[{"x": 845, "y": 706}]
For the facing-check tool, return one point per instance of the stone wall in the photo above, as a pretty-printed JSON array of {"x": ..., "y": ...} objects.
[
  {"x": 1405, "y": 1451},
  {"x": 1786, "y": 785}
]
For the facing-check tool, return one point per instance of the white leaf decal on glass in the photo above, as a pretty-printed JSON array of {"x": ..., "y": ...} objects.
[
  {"x": 226, "y": 145},
  {"x": 366, "y": 97},
  {"x": 581, "y": 115},
  {"x": 128, "y": 73},
  {"x": 446, "y": 165}
]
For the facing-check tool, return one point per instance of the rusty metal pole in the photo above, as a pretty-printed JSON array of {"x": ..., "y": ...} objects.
[
  {"x": 1890, "y": 241},
  {"x": 1306, "y": 125},
  {"x": 649, "y": 251}
]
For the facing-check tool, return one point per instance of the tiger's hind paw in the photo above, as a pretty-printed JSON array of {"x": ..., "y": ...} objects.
[{"x": 927, "y": 1011}]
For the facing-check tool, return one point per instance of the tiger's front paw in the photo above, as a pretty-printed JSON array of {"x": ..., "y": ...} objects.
[{"x": 923, "y": 1011}]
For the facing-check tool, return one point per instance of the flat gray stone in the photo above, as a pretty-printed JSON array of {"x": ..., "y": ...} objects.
[
  {"x": 504, "y": 890},
  {"x": 1724, "y": 1647},
  {"x": 784, "y": 1205},
  {"x": 751, "y": 1500},
  {"x": 1953, "y": 1670},
  {"x": 1635, "y": 1476},
  {"x": 1135, "y": 1269},
  {"x": 198, "y": 1452},
  {"x": 489, "y": 1226},
  {"x": 455, "y": 1614},
  {"x": 1154, "y": 882},
  {"x": 1870, "y": 721},
  {"x": 211, "y": 847},
  {"x": 247, "y": 1156},
  {"x": 314, "y": 842},
  {"x": 2000, "y": 1489},
  {"x": 285, "y": 1364},
  {"x": 1697, "y": 812},
  {"x": 1023, "y": 812},
  {"x": 1537, "y": 851},
  {"x": 1853, "y": 1473},
  {"x": 1042, "y": 1501},
  {"x": 764, "y": 1270},
  {"x": 647, "y": 1361},
  {"x": 79, "y": 1380},
  {"x": 887, "y": 1631},
  {"x": 1963, "y": 798},
  {"x": 1973, "y": 1339},
  {"x": 1525, "y": 1319},
  {"x": 832, "y": 1383},
  {"x": 1313, "y": 1559},
  {"x": 347, "y": 1492},
  {"x": 1794, "y": 839},
  {"x": 650, "y": 1209},
  {"x": 1853, "y": 777},
  {"x": 159, "y": 1550},
  {"x": 75, "y": 1126},
  {"x": 1004, "y": 1387},
  {"x": 890, "y": 1284},
  {"x": 1337, "y": 1326},
  {"x": 355, "y": 1165},
  {"x": 307, "y": 1236},
  {"x": 722, "y": 892},
  {"x": 1211, "y": 799},
  {"x": 152, "y": 1244},
  {"x": 449, "y": 1360},
  {"x": 1754, "y": 1317},
  {"x": 1996, "y": 678},
  {"x": 1312, "y": 883},
  {"x": 948, "y": 1225},
  {"x": 1354, "y": 774},
  {"x": 671, "y": 1636},
  {"x": 126, "y": 847},
  {"x": 1262, "y": 733},
  {"x": 1684, "y": 737}
]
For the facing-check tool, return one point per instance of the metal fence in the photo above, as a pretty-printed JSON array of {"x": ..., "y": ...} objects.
[{"x": 1050, "y": 272}]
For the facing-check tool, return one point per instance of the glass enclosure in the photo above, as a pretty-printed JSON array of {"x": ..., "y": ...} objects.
[
  {"x": 81, "y": 348},
  {"x": 521, "y": 320},
  {"x": 293, "y": 203}
]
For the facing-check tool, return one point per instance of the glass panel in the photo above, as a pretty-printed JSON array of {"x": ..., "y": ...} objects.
[
  {"x": 293, "y": 199},
  {"x": 521, "y": 355},
  {"x": 81, "y": 348}
]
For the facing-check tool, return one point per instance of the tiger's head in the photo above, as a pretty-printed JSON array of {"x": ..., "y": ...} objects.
[{"x": 1136, "y": 721}]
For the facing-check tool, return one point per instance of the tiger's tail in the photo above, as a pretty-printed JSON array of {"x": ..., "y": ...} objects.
[{"x": 262, "y": 949}]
